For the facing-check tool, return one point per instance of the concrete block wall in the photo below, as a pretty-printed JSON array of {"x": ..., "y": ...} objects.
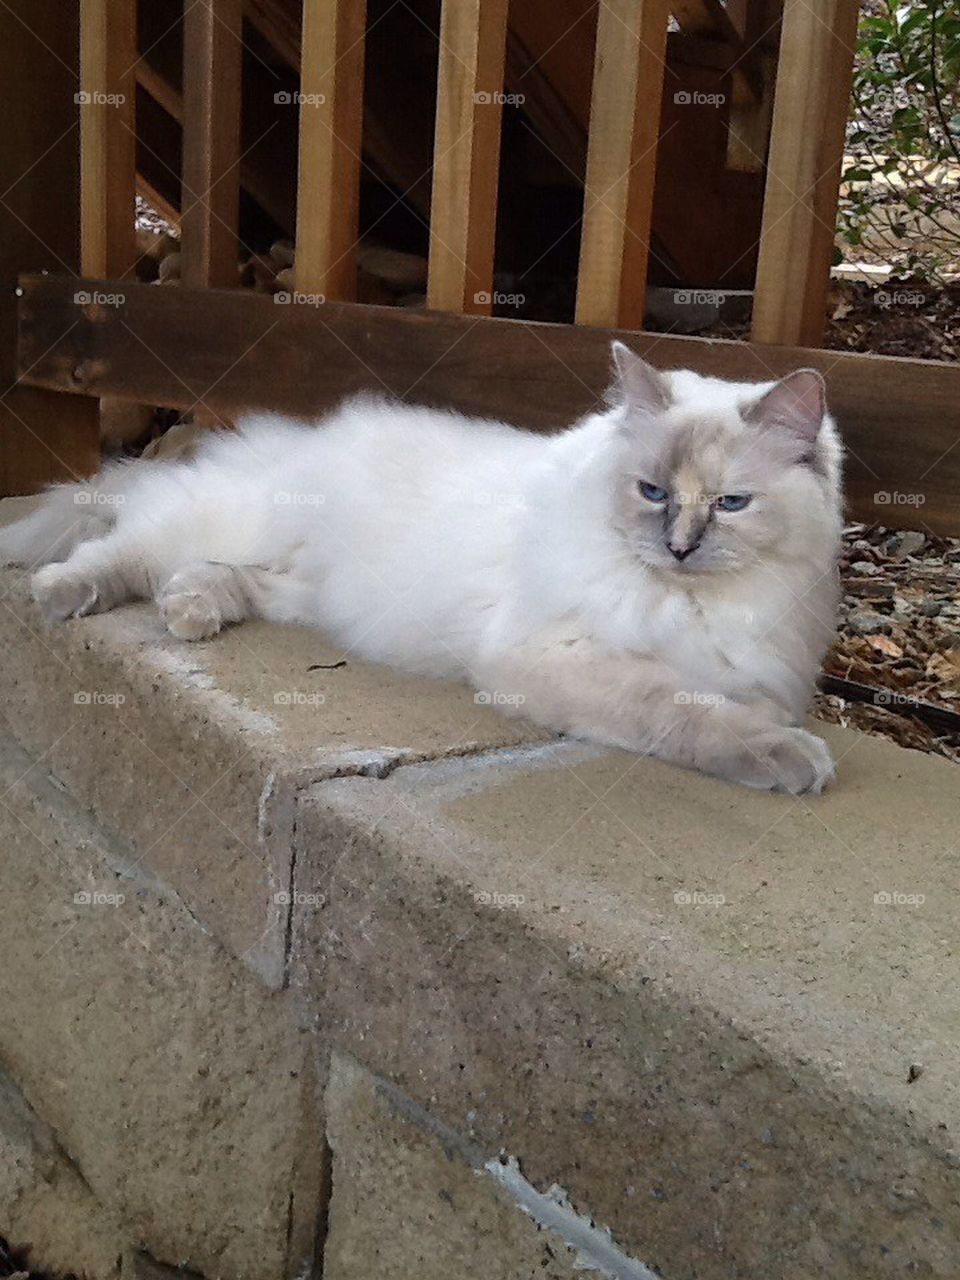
[{"x": 310, "y": 969}]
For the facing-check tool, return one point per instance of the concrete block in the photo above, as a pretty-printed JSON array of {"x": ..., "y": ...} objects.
[
  {"x": 725, "y": 1023},
  {"x": 45, "y": 1205},
  {"x": 195, "y": 752},
  {"x": 172, "y": 1080},
  {"x": 411, "y": 1200}
]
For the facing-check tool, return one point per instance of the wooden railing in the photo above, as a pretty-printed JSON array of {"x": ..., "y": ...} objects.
[
  {"x": 214, "y": 352},
  {"x": 803, "y": 165}
]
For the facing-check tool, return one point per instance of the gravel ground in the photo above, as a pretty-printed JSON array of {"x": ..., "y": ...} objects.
[
  {"x": 899, "y": 631},
  {"x": 903, "y": 316}
]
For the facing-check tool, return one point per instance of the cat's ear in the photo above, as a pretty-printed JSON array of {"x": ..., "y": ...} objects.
[
  {"x": 638, "y": 384},
  {"x": 796, "y": 404}
]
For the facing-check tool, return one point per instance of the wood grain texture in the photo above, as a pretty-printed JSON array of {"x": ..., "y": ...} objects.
[
  {"x": 44, "y": 437},
  {"x": 621, "y": 162},
  {"x": 107, "y": 101},
  {"x": 230, "y": 351},
  {"x": 331, "y": 127},
  {"x": 210, "y": 204},
  {"x": 463, "y": 205},
  {"x": 811, "y": 105}
]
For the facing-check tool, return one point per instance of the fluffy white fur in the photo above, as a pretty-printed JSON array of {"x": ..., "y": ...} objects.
[{"x": 531, "y": 566}]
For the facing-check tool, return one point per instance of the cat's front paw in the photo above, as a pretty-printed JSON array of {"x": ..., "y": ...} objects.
[
  {"x": 190, "y": 615},
  {"x": 61, "y": 594},
  {"x": 783, "y": 759}
]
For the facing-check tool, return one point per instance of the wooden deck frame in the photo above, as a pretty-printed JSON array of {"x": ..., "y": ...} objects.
[
  {"x": 43, "y": 437},
  {"x": 210, "y": 204},
  {"x": 466, "y": 161},
  {"x": 331, "y": 127},
  {"x": 810, "y": 111},
  {"x": 107, "y": 102},
  {"x": 232, "y": 352},
  {"x": 621, "y": 161}
]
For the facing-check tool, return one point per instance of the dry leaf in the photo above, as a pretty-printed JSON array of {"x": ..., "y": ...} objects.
[
  {"x": 884, "y": 645},
  {"x": 944, "y": 666}
]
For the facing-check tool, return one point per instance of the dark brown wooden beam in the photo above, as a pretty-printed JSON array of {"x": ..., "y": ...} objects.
[
  {"x": 43, "y": 437},
  {"x": 227, "y": 351}
]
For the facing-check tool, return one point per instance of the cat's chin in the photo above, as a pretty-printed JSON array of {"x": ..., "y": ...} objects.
[{"x": 668, "y": 565}]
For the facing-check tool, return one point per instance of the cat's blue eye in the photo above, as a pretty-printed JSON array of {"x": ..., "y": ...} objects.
[
  {"x": 734, "y": 501},
  {"x": 653, "y": 492}
]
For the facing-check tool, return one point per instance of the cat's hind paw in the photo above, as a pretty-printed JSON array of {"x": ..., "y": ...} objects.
[
  {"x": 61, "y": 594},
  {"x": 784, "y": 759}
]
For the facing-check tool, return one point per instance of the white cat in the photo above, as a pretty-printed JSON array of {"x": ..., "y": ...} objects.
[{"x": 661, "y": 577}]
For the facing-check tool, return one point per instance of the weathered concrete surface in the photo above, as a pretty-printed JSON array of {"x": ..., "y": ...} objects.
[
  {"x": 763, "y": 1087},
  {"x": 171, "y": 1080},
  {"x": 43, "y": 1197},
  {"x": 195, "y": 752},
  {"x": 408, "y": 1202}
]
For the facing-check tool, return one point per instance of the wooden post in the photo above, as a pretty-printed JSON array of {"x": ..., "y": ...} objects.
[
  {"x": 466, "y": 155},
  {"x": 803, "y": 171},
  {"x": 621, "y": 162},
  {"x": 44, "y": 436},
  {"x": 331, "y": 128},
  {"x": 212, "y": 63},
  {"x": 107, "y": 98}
]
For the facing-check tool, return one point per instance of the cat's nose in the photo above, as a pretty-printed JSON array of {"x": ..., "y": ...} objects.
[{"x": 681, "y": 553}]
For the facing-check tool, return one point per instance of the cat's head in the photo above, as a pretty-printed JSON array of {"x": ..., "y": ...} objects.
[{"x": 713, "y": 476}]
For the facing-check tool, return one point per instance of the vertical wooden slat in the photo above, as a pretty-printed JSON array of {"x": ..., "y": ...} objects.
[
  {"x": 107, "y": 97},
  {"x": 621, "y": 162},
  {"x": 466, "y": 160},
  {"x": 212, "y": 62},
  {"x": 331, "y": 127},
  {"x": 803, "y": 171}
]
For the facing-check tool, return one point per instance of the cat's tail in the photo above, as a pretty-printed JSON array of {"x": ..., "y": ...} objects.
[{"x": 65, "y": 516}]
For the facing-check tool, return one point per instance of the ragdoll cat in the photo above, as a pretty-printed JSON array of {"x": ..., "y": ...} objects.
[{"x": 661, "y": 577}]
